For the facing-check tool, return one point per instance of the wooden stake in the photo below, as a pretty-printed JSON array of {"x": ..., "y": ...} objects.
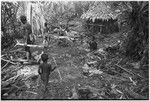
[{"x": 59, "y": 74}]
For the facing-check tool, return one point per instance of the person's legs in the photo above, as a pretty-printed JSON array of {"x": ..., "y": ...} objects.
[
  {"x": 40, "y": 88},
  {"x": 30, "y": 56},
  {"x": 45, "y": 88},
  {"x": 27, "y": 55},
  {"x": 28, "y": 52}
]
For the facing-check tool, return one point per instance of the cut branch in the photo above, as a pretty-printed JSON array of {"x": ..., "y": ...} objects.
[
  {"x": 9, "y": 61},
  {"x": 5, "y": 65},
  {"x": 23, "y": 44},
  {"x": 31, "y": 92},
  {"x": 39, "y": 46},
  {"x": 9, "y": 81}
]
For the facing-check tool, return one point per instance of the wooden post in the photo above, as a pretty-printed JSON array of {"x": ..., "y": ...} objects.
[{"x": 31, "y": 18}]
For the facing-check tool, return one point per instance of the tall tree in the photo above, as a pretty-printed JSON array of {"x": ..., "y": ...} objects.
[
  {"x": 9, "y": 23},
  {"x": 136, "y": 18}
]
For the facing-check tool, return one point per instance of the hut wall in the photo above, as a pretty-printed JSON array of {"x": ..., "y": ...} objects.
[{"x": 108, "y": 27}]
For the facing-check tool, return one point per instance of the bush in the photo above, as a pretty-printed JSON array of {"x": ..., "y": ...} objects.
[
  {"x": 9, "y": 24},
  {"x": 137, "y": 30}
]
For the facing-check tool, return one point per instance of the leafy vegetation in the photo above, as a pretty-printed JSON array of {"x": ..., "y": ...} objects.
[
  {"x": 118, "y": 69},
  {"x": 139, "y": 20},
  {"x": 136, "y": 43},
  {"x": 9, "y": 24}
]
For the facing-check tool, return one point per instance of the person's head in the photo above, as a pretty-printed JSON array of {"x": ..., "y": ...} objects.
[
  {"x": 45, "y": 37},
  {"x": 45, "y": 24},
  {"x": 67, "y": 29},
  {"x": 93, "y": 38},
  {"x": 44, "y": 57},
  {"x": 23, "y": 19},
  {"x": 2, "y": 29}
]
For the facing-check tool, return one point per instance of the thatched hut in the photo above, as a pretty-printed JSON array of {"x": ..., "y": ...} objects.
[{"x": 101, "y": 18}]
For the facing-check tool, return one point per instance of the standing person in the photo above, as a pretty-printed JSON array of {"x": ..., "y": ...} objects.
[
  {"x": 93, "y": 44},
  {"x": 46, "y": 31},
  {"x": 27, "y": 31},
  {"x": 46, "y": 37},
  {"x": 45, "y": 43},
  {"x": 2, "y": 31},
  {"x": 44, "y": 70}
]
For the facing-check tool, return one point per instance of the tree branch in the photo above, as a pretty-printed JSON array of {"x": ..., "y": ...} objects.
[
  {"x": 9, "y": 61},
  {"x": 5, "y": 65}
]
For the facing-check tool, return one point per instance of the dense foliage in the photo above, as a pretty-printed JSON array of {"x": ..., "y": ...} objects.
[
  {"x": 132, "y": 19},
  {"x": 136, "y": 43},
  {"x": 9, "y": 24},
  {"x": 111, "y": 65},
  {"x": 137, "y": 32}
]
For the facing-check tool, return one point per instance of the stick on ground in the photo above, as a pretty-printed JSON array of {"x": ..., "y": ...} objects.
[
  {"x": 8, "y": 61},
  {"x": 5, "y": 65}
]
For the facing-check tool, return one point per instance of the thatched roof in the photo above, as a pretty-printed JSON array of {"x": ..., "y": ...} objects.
[{"x": 100, "y": 10}]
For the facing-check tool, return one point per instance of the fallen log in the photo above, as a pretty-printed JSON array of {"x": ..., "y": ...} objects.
[
  {"x": 31, "y": 63},
  {"x": 8, "y": 61},
  {"x": 24, "y": 61},
  {"x": 61, "y": 37},
  {"x": 34, "y": 46},
  {"x": 31, "y": 92},
  {"x": 17, "y": 50},
  {"x": 29, "y": 45},
  {"x": 19, "y": 60},
  {"x": 9, "y": 81}
]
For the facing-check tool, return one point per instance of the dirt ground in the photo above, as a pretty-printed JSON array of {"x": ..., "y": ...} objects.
[{"x": 70, "y": 60}]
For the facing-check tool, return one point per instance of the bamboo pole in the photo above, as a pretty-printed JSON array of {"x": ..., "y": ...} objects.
[{"x": 31, "y": 23}]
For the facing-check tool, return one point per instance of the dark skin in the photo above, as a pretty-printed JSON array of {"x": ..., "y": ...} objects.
[
  {"x": 93, "y": 44},
  {"x": 46, "y": 30},
  {"x": 28, "y": 31},
  {"x": 44, "y": 70}
]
